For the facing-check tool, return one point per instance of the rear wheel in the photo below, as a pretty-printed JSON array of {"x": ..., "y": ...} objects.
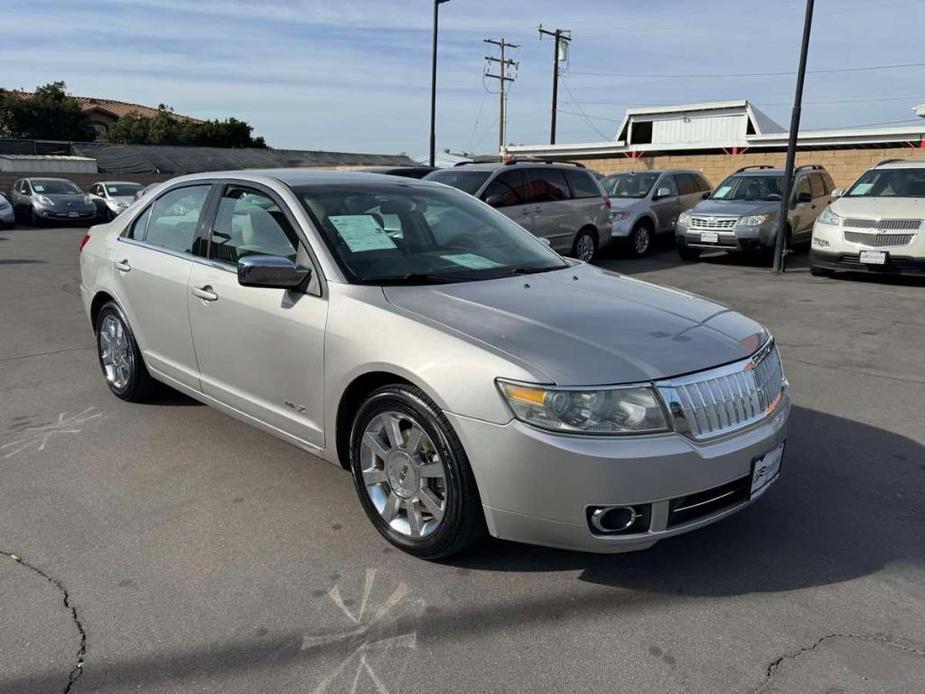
[
  {"x": 640, "y": 240},
  {"x": 412, "y": 474},
  {"x": 584, "y": 247},
  {"x": 120, "y": 358}
]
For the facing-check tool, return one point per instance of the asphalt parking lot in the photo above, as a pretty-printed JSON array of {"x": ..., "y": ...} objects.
[{"x": 166, "y": 547}]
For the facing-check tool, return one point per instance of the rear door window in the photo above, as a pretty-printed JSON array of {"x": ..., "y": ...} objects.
[
  {"x": 547, "y": 185},
  {"x": 136, "y": 229},
  {"x": 175, "y": 218},
  {"x": 583, "y": 186},
  {"x": 816, "y": 185},
  {"x": 802, "y": 186},
  {"x": 686, "y": 184},
  {"x": 506, "y": 189}
]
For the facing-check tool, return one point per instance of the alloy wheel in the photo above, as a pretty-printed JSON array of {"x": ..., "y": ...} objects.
[
  {"x": 641, "y": 241},
  {"x": 116, "y": 352},
  {"x": 403, "y": 474},
  {"x": 584, "y": 248}
]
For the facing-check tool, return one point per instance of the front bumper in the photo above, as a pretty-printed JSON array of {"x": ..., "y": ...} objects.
[
  {"x": 895, "y": 264},
  {"x": 66, "y": 214},
  {"x": 536, "y": 486},
  {"x": 736, "y": 239}
]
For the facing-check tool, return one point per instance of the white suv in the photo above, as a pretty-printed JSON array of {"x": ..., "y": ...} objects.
[{"x": 876, "y": 225}]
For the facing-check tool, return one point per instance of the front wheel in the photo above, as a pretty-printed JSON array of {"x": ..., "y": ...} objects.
[
  {"x": 640, "y": 240},
  {"x": 412, "y": 474},
  {"x": 584, "y": 247},
  {"x": 817, "y": 271},
  {"x": 688, "y": 253}
]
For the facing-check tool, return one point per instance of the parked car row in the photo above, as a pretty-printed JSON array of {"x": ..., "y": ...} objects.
[{"x": 40, "y": 201}]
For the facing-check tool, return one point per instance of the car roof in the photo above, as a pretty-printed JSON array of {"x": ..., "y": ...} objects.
[
  {"x": 905, "y": 164},
  {"x": 494, "y": 166},
  {"x": 656, "y": 171},
  {"x": 301, "y": 177},
  {"x": 117, "y": 183},
  {"x": 47, "y": 178}
]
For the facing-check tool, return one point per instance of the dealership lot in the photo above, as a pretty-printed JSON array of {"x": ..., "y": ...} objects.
[{"x": 199, "y": 553}]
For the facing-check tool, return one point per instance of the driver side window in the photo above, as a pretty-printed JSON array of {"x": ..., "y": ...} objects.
[{"x": 250, "y": 222}]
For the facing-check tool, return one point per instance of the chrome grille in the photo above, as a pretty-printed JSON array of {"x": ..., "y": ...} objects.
[
  {"x": 884, "y": 224},
  {"x": 713, "y": 222},
  {"x": 720, "y": 401},
  {"x": 879, "y": 240}
]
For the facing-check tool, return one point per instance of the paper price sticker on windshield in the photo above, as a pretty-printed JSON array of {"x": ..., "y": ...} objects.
[
  {"x": 471, "y": 261},
  {"x": 361, "y": 232}
]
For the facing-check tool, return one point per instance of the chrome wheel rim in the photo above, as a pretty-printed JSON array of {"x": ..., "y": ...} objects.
[
  {"x": 115, "y": 352},
  {"x": 584, "y": 248},
  {"x": 403, "y": 474},
  {"x": 641, "y": 241}
]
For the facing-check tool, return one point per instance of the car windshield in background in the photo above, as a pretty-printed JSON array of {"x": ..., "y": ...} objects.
[
  {"x": 466, "y": 181},
  {"x": 749, "y": 188},
  {"x": 890, "y": 183},
  {"x": 49, "y": 187},
  {"x": 403, "y": 234},
  {"x": 629, "y": 185},
  {"x": 122, "y": 190}
]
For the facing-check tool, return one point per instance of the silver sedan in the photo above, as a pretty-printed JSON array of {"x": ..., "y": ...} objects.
[{"x": 470, "y": 378}]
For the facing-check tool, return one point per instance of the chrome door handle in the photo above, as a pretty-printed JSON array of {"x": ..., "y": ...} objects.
[
  {"x": 205, "y": 293},
  {"x": 122, "y": 265}
]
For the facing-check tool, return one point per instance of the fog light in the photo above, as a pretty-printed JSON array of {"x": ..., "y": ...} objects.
[{"x": 821, "y": 243}]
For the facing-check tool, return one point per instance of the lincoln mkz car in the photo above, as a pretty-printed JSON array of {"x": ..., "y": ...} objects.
[{"x": 470, "y": 378}]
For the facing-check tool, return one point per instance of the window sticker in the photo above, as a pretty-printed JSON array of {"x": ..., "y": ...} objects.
[
  {"x": 862, "y": 188},
  {"x": 361, "y": 232},
  {"x": 721, "y": 191},
  {"x": 38, "y": 189},
  {"x": 471, "y": 261}
]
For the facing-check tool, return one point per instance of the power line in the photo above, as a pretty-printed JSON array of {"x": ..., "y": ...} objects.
[
  {"x": 849, "y": 100},
  {"x": 582, "y": 111},
  {"x": 868, "y": 68}
]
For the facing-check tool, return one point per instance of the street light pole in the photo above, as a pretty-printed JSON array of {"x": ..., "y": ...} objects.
[
  {"x": 433, "y": 88},
  {"x": 780, "y": 241}
]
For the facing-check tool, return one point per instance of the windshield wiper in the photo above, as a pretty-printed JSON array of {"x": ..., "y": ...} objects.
[{"x": 413, "y": 278}]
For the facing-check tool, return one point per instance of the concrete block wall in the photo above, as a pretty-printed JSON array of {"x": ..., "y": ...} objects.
[{"x": 845, "y": 165}]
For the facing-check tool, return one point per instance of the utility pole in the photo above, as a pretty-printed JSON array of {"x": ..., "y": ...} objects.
[
  {"x": 433, "y": 87},
  {"x": 562, "y": 38},
  {"x": 780, "y": 240},
  {"x": 504, "y": 68}
]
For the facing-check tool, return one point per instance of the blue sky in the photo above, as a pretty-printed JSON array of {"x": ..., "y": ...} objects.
[{"x": 354, "y": 75}]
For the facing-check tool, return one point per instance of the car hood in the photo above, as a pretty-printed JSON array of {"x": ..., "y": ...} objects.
[
  {"x": 626, "y": 203},
  {"x": 75, "y": 199},
  {"x": 127, "y": 199},
  {"x": 736, "y": 208},
  {"x": 587, "y": 326},
  {"x": 877, "y": 207}
]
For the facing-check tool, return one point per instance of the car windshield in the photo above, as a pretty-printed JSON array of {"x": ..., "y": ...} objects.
[
  {"x": 52, "y": 187},
  {"x": 466, "y": 181},
  {"x": 890, "y": 183},
  {"x": 122, "y": 190},
  {"x": 398, "y": 233},
  {"x": 749, "y": 188},
  {"x": 629, "y": 185}
]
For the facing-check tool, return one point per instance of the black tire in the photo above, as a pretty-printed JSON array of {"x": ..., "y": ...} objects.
[
  {"x": 817, "y": 271},
  {"x": 463, "y": 521},
  {"x": 34, "y": 219},
  {"x": 586, "y": 238},
  {"x": 140, "y": 386},
  {"x": 688, "y": 253},
  {"x": 640, "y": 239}
]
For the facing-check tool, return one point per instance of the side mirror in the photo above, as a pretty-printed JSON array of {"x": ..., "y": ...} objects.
[
  {"x": 662, "y": 193},
  {"x": 804, "y": 197},
  {"x": 496, "y": 200},
  {"x": 706, "y": 195},
  {"x": 271, "y": 271},
  {"x": 837, "y": 193}
]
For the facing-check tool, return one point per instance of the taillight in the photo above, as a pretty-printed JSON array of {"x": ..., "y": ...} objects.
[
  {"x": 606, "y": 200},
  {"x": 83, "y": 241}
]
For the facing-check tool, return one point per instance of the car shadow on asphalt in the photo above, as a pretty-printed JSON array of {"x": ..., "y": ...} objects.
[{"x": 848, "y": 504}]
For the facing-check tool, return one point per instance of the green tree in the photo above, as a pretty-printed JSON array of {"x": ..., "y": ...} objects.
[
  {"x": 166, "y": 129},
  {"x": 50, "y": 113}
]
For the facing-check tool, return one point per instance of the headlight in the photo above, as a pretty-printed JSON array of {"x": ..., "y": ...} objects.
[
  {"x": 3, "y": 204},
  {"x": 684, "y": 218},
  {"x": 829, "y": 217},
  {"x": 631, "y": 410},
  {"x": 754, "y": 220},
  {"x": 617, "y": 215},
  {"x": 44, "y": 200}
]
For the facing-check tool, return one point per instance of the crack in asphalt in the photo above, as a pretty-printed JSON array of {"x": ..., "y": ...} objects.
[
  {"x": 885, "y": 639},
  {"x": 77, "y": 670},
  {"x": 46, "y": 354}
]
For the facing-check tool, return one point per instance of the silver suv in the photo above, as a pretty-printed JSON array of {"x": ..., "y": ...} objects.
[
  {"x": 646, "y": 203},
  {"x": 562, "y": 203},
  {"x": 742, "y": 213}
]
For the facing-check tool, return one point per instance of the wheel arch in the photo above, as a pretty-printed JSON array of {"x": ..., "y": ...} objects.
[
  {"x": 100, "y": 299},
  {"x": 646, "y": 219}
]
